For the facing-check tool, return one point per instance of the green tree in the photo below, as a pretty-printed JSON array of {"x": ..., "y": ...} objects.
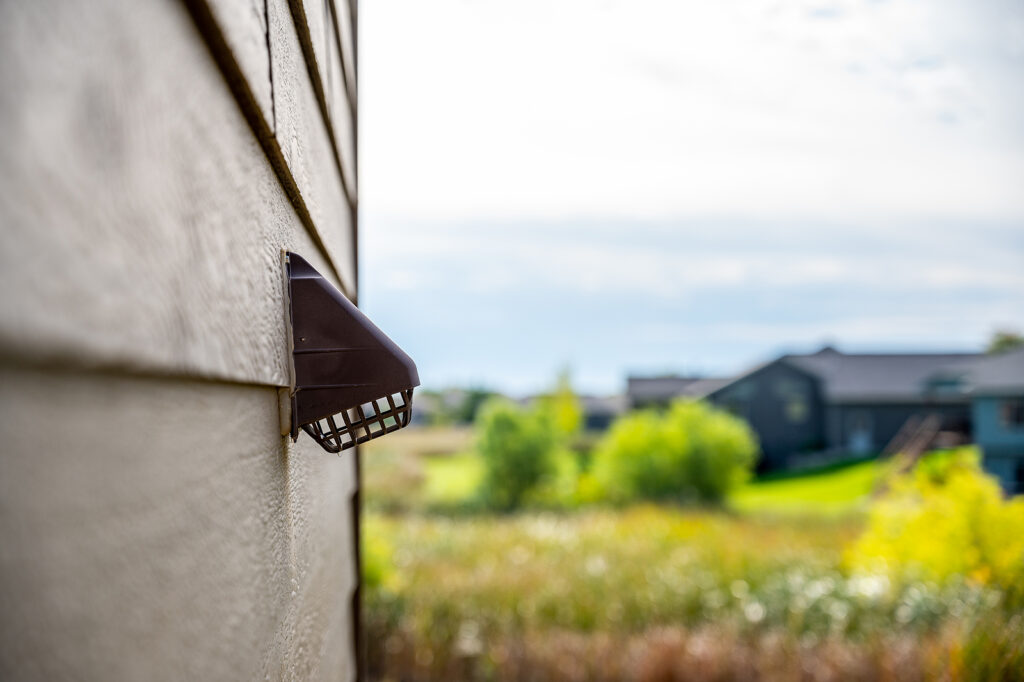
[
  {"x": 1004, "y": 340},
  {"x": 691, "y": 453},
  {"x": 517, "y": 448}
]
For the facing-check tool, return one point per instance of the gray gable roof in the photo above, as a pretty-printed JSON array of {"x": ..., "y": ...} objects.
[
  {"x": 704, "y": 387},
  {"x": 665, "y": 388},
  {"x": 1000, "y": 374},
  {"x": 648, "y": 389},
  {"x": 877, "y": 377},
  {"x": 863, "y": 377},
  {"x": 604, "y": 405}
]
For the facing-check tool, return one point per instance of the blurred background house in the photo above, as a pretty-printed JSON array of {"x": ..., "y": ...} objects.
[
  {"x": 995, "y": 386},
  {"x": 158, "y": 157},
  {"x": 829, "y": 405}
]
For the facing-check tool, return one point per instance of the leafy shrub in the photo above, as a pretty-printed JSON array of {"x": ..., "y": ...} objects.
[
  {"x": 517, "y": 447},
  {"x": 693, "y": 452},
  {"x": 946, "y": 519}
]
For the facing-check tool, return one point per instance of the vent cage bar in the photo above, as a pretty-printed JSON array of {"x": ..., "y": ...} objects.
[{"x": 363, "y": 422}]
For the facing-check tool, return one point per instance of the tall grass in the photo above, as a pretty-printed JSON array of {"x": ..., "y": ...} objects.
[
  {"x": 768, "y": 588},
  {"x": 466, "y": 590}
]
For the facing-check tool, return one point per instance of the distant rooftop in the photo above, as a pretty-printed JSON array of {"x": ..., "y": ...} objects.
[
  {"x": 876, "y": 376},
  {"x": 643, "y": 390},
  {"x": 998, "y": 374},
  {"x": 610, "y": 405},
  {"x": 854, "y": 377}
]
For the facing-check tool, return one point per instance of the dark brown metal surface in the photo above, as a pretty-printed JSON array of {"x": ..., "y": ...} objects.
[{"x": 352, "y": 383}]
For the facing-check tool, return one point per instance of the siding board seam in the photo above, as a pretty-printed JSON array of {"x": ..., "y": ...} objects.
[
  {"x": 354, "y": 25},
  {"x": 351, "y": 93},
  {"x": 298, "y": 12},
  {"x": 270, "y": 66},
  {"x": 216, "y": 43},
  {"x": 351, "y": 100},
  {"x": 72, "y": 365}
]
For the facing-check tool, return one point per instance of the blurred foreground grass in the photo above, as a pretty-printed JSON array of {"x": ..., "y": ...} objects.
[
  {"x": 652, "y": 593},
  {"x": 761, "y": 590}
]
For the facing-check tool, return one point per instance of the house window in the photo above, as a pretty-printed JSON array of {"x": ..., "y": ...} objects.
[
  {"x": 860, "y": 439},
  {"x": 796, "y": 409},
  {"x": 1011, "y": 413},
  {"x": 795, "y": 404}
]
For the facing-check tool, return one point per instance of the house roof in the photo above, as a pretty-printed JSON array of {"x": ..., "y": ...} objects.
[
  {"x": 862, "y": 377},
  {"x": 847, "y": 377},
  {"x": 703, "y": 387},
  {"x": 653, "y": 389},
  {"x": 665, "y": 388},
  {"x": 999, "y": 374},
  {"x": 607, "y": 405}
]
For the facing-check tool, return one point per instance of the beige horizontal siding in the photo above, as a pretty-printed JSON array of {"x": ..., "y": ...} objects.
[
  {"x": 302, "y": 133},
  {"x": 157, "y": 159},
  {"x": 340, "y": 98},
  {"x": 331, "y": 72},
  {"x": 142, "y": 221},
  {"x": 162, "y": 530},
  {"x": 345, "y": 19},
  {"x": 244, "y": 26}
]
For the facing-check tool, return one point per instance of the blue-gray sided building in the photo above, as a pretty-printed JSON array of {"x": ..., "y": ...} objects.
[{"x": 807, "y": 408}]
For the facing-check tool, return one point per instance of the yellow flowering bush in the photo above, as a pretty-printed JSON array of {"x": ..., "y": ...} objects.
[{"x": 945, "y": 519}]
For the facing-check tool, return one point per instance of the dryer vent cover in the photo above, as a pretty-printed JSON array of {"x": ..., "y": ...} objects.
[{"x": 352, "y": 383}]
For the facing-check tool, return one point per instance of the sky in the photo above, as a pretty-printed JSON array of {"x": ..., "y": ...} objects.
[{"x": 657, "y": 186}]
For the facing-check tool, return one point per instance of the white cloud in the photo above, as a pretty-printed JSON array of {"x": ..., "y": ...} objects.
[
  {"x": 676, "y": 264},
  {"x": 659, "y": 108},
  {"x": 746, "y": 174}
]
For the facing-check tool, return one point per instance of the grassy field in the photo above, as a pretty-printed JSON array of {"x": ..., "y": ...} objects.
[
  {"x": 762, "y": 589},
  {"x": 651, "y": 593}
]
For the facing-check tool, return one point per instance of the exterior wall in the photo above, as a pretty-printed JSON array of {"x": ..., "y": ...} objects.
[
  {"x": 878, "y": 423},
  {"x": 1002, "y": 445},
  {"x": 154, "y": 522},
  {"x": 782, "y": 405}
]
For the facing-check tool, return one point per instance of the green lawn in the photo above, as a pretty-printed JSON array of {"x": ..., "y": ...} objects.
[
  {"x": 836, "y": 491},
  {"x": 452, "y": 479}
]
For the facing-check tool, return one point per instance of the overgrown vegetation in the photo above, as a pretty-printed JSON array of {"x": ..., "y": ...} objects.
[
  {"x": 479, "y": 598},
  {"x": 854, "y": 572},
  {"x": 672, "y": 593}
]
